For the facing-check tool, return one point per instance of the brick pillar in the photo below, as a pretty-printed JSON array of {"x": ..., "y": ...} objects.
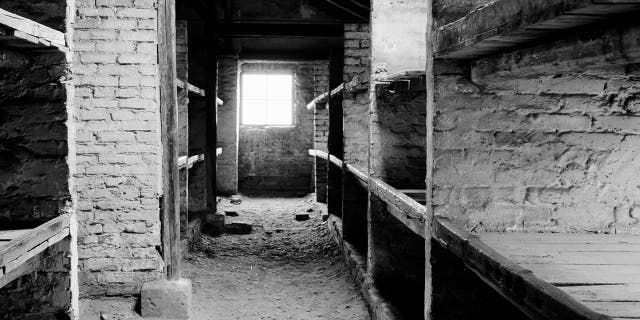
[
  {"x": 355, "y": 106},
  {"x": 118, "y": 145}
]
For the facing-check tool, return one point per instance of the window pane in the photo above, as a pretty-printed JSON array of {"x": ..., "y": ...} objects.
[
  {"x": 254, "y": 86},
  {"x": 280, "y": 87},
  {"x": 279, "y": 112},
  {"x": 254, "y": 112}
]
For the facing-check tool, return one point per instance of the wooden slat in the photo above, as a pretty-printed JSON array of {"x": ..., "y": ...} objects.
[
  {"x": 28, "y": 241},
  {"x": 31, "y": 31},
  {"x": 320, "y": 154},
  {"x": 195, "y": 90},
  {"x": 401, "y": 206},
  {"x": 184, "y": 162},
  {"x": 363, "y": 178},
  {"x": 324, "y": 98},
  {"x": 8, "y": 235}
]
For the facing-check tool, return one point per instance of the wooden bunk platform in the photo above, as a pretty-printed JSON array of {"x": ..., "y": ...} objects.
[
  {"x": 23, "y": 34},
  {"x": 601, "y": 271},
  {"x": 18, "y": 246},
  {"x": 545, "y": 275}
]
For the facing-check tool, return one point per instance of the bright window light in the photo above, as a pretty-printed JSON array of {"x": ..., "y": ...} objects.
[{"x": 267, "y": 99}]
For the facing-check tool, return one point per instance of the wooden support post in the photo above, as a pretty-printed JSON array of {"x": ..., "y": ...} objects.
[
  {"x": 430, "y": 87},
  {"x": 336, "y": 141},
  {"x": 211, "y": 114},
  {"x": 169, "y": 129}
]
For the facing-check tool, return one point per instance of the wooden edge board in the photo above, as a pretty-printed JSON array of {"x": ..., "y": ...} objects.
[
  {"x": 323, "y": 98},
  {"x": 184, "y": 162},
  {"x": 362, "y": 177},
  {"x": 21, "y": 265},
  {"x": 195, "y": 90},
  {"x": 337, "y": 162},
  {"x": 320, "y": 154},
  {"x": 406, "y": 210},
  {"x": 403, "y": 75},
  {"x": 533, "y": 296},
  {"x": 28, "y": 241},
  {"x": 32, "y": 28}
]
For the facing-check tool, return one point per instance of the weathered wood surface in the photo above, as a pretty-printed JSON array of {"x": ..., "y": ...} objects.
[
  {"x": 526, "y": 289},
  {"x": 195, "y": 90},
  {"x": 170, "y": 215},
  {"x": 602, "y": 271},
  {"x": 26, "y": 244},
  {"x": 362, "y": 177},
  {"x": 324, "y": 98},
  {"x": 505, "y": 24},
  {"x": 401, "y": 206},
  {"x": 23, "y": 33},
  {"x": 419, "y": 195},
  {"x": 320, "y": 154},
  {"x": 403, "y": 76},
  {"x": 185, "y": 162}
]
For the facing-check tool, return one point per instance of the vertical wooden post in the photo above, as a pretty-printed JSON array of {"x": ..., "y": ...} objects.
[
  {"x": 169, "y": 134},
  {"x": 430, "y": 84},
  {"x": 211, "y": 113},
  {"x": 335, "y": 141}
]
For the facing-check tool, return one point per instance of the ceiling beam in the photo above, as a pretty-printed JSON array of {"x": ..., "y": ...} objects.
[
  {"x": 346, "y": 9},
  {"x": 302, "y": 30}
]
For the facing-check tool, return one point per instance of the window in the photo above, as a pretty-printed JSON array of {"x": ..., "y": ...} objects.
[{"x": 267, "y": 99}]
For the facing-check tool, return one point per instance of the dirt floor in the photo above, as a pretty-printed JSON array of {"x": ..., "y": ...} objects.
[{"x": 284, "y": 269}]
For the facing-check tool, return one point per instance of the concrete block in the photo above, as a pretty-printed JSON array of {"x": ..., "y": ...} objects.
[{"x": 165, "y": 299}]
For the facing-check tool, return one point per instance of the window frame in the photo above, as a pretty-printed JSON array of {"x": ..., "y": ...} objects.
[{"x": 293, "y": 100}]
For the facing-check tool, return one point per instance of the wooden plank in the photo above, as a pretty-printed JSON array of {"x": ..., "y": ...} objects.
[
  {"x": 324, "y": 98},
  {"x": 571, "y": 274},
  {"x": 337, "y": 162},
  {"x": 7, "y": 235},
  {"x": 27, "y": 241},
  {"x": 403, "y": 76},
  {"x": 497, "y": 239},
  {"x": 320, "y": 154},
  {"x": 603, "y": 293},
  {"x": 211, "y": 114},
  {"x": 405, "y": 209},
  {"x": 363, "y": 178},
  {"x": 30, "y": 28},
  {"x": 184, "y": 162},
  {"x": 169, "y": 127},
  {"x": 535, "y": 297},
  {"x": 11, "y": 265},
  {"x": 552, "y": 256},
  {"x": 195, "y": 90},
  {"x": 616, "y": 308}
]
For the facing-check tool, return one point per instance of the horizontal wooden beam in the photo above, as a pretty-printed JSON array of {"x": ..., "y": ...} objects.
[
  {"x": 295, "y": 30},
  {"x": 324, "y": 98},
  {"x": 402, "y": 207},
  {"x": 195, "y": 90},
  {"x": 536, "y": 298}
]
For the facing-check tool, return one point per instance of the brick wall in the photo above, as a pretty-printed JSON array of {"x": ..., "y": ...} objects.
[
  {"x": 277, "y": 158},
  {"x": 398, "y": 136},
  {"x": 118, "y": 145},
  {"x": 357, "y": 67},
  {"x": 540, "y": 139},
  {"x": 320, "y": 129},
  {"x": 35, "y": 176},
  {"x": 227, "y": 174},
  {"x": 33, "y": 139}
]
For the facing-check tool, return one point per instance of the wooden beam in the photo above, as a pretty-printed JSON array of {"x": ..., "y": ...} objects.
[
  {"x": 211, "y": 114},
  {"x": 346, "y": 9},
  {"x": 32, "y": 31},
  {"x": 195, "y": 90},
  {"x": 169, "y": 128},
  {"x": 325, "y": 97},
  {"x": 406, "y": 210}
]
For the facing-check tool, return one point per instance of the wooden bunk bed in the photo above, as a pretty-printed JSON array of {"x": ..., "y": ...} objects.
[
  {"x": 18, "y": 246},
  {"x": 546, "y": 276}
]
